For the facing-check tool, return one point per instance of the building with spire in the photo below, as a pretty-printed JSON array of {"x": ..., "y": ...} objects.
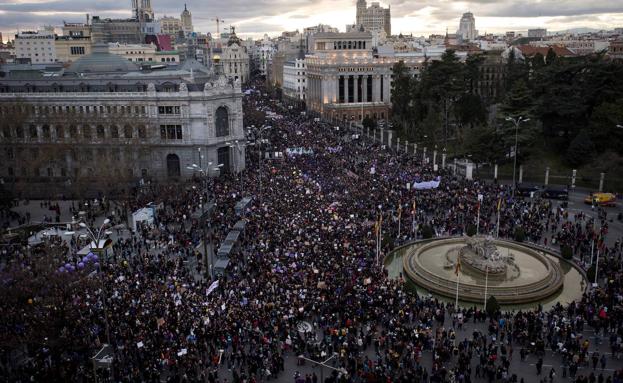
[
  {"x": 467, "y": 27},
  {"x": 187, "y": 20},
  {"x": 142, "y": 10},
  {"x": 374, "y": 18}
]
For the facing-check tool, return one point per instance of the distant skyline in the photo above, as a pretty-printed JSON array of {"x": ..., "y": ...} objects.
[{"x": 255, "y": 18}]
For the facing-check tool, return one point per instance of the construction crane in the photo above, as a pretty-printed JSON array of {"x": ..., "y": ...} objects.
[{"x": 218, "y": 26}]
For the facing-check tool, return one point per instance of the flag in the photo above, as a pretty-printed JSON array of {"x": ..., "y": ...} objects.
[
  {"x": 212, "y": 287},
  {"x": 457, "y": 268},
  {"x": 376, "y": 227},
  {"x": 499, "y": 204},
  {"x": 399, "y": 211},
  {"x": 413, "y": 211}
]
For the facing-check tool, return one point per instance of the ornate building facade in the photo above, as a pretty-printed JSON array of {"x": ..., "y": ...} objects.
[
  {"x": 374, "y": 18},
  {"x": 345, "y": 81},
  {"x": 103, "y": 123}
]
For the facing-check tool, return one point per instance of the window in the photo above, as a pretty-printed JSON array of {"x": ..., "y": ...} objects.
[
  {"x": 171, "y": 132},
  {"x": 142, "y": 132},
  {"x": 50, "y": 172},
  {"x": 127, "y": 131},
  {"x": 77, "y": 50},
  {"x": 114, "y": 131},
  {"x": 9, "y": 153},
  {"x": 168, "y": 110},
  {"x": 6, "y": 131},
  {"x": 19, "y": 131},
  {"x": 33, "y": 131},
  {"x": 45, "y": 131},
  {"x": 222, "y": 122},
  {"x": 73, "y": 131},
  {"x": 86, "y": 131},
  {"x": 101, "y": 133},
  {"x": 34, "y": 153}
]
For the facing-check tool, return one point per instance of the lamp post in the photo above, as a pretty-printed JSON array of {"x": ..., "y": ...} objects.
[
  {"x": 516, "y": 122},
  {"x": 259, "y": 153}
]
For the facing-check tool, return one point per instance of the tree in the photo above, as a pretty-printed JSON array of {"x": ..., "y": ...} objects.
[
  {"x": 551, "y": 57},
  {"x": 518, "y": 103},
  {"x": 401, "y": 96},
  {"x": 484, "y": 144},
  {"x": 368, "y": 123},
  {"x": 603, "y": 129},
  {"x": 580, "y": 150}
]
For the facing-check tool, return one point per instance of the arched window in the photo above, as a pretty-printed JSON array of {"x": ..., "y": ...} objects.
[
  {"x": 101, "y": 133},
  {"x": 114, "y": 131},
  {"x": 173, "y": 165},
  {"x": 222, "y": 122},
  {"x": 127, "y": 131}
]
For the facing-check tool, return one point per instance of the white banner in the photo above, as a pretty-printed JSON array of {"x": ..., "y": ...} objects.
[{"x": 426, "y": 185}]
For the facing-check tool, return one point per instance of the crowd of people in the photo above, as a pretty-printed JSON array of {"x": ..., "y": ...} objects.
[{"x": 308, "y": 254}]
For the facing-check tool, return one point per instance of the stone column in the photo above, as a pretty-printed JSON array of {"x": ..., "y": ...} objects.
[
  {"x": 376, "y": 86},
  {"x": 364, "y": 88},
  {"x": 397, "y": 144},
  {"x": 355, "y": 88},
  {"x": 443, "y": 161},
  {"x": 387, "y": 90},
  {"x": 346, "y": 89},
  {"x": 389, "y": 138},
  {"x": 546, "y": 176},
  {"x": 406, "y": 146}
]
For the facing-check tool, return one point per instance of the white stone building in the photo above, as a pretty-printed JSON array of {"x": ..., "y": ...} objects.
[
  {"x": 374, "y": 17},
  {"x": 38, "y": 46},
  {"x": 144, "y": 53},
  {"x": 294, "y": 80},
  {"x": 467, "y": 27},
  {"x": 345, "y": 81},
  {"x": 235, "y": 60},
  {"x": 102, "y": 123}
]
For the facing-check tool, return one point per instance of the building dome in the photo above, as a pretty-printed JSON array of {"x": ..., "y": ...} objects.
[{"x": 102, "y": 61}]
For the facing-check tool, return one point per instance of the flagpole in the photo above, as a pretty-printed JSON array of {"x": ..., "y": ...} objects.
[
  {"x": 497, "y": 228},
  {"x": 486, "y": 285},
  {"x": 399, "y": 216},
  {"x": 380, "y": 240},
  {"x": 478, "y": 220},
  {"x": 456, "y": 302}
]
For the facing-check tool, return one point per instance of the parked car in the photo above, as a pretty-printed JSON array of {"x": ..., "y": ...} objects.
[
  {"x": 556, "y": 193},
  {"x": 528, "y": 191},
  {"x": 601, "y": 199}
]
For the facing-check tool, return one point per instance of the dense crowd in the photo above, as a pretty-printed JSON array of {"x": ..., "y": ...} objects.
[{"x": 308, "y": 253}]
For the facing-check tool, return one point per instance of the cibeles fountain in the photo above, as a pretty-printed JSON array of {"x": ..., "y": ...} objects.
[{"x": 515, "y": 274}]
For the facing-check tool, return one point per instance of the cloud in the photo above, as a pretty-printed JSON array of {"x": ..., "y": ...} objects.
[{"x": 272, "y": 16}]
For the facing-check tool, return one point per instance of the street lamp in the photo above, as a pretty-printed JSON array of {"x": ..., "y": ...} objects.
[
  {"x": 516, "y": 121},
  {"x": 260, "y": 131},
  {"x": 95, "y": 238}
]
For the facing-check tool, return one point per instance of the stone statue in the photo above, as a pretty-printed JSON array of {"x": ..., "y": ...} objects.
[{"x": 183, "y": 87}]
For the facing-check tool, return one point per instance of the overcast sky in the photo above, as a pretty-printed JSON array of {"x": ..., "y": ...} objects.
[{"x": 256, "y": 17}]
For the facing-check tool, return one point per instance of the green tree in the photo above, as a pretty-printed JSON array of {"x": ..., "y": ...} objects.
[
  {"x": 603, "y": 129},
  {"x": 518, "y": 103},
  {"x": 581, "y": 150},
  {"x": 401, "y": 93},
  {"x": 368, "y": 123},
  {"x": 484, "y": 144}
]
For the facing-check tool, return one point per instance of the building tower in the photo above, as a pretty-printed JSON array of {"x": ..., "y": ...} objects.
[
  {"x": 467, "y": 27},
  {"x": 362, "y": 7},
  {"x": 142, "y": 10},
  {"x": 187, "y": 20}
]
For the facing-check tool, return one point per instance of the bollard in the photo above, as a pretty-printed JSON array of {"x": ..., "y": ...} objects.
[
  {"x": 434, "y": 157},
  {"x": 574, "y": 173},
  {"x": 520, "y": 174},
  {"x": 443, "y": 161},
  {"x": 424, "y": 155},
  {"x": 495, "y": 172},
  {"x": 601, "y": 182},
  {"x": 415, "y": 149},
  {"x": 406, "y": 146},
  {"x": 546, "y": 176}
]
